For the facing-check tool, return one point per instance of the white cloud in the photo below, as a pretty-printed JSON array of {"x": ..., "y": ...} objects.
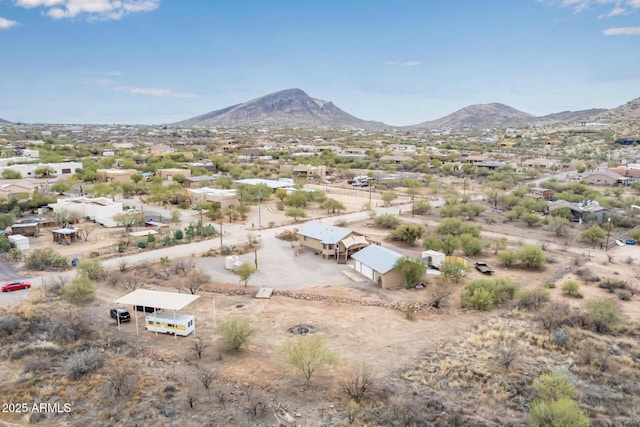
[
  {"x": 155, "y": 92},
  {"x": 91, "y": 9},
  {"x": 622, "y": 31},
  {"x": 405, "y": 64},
  {"x": 620, "y": 7},
  {"x": 5, "y": 24},
  {"x": 113, "y": 73}
]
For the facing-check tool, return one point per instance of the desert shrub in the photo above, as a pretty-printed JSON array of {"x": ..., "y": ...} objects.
[
  {"x": 586, "y": 275},
  {"x": 624, "y": 295},
  {"x": 91, "y": 268},
  {"x": 508, "y": 258},
  {"x": 612, "y": 285},
  {"x": 387, "y": 220},
  {"x": 572, "y": 289},
  {"x": 8, "y": 324},
  {"x": 84, "y": 362},
  {"x": 557, "y": 413},
  {"x": 603, "y": 313},
  {"x": 485, "y": 293},
  {"x": 142, "y": 244},
  {"x": 359, "y": 383},
  {"x": 45, "y": 259},
  {"x": 531, "y": 298},
  {"x": 471, "y": 245},
  {"x": 531, "y": 219},
  {"x": 561, "y": 337},
  {"x": 236, "y": 332},
  {"x": 408, "y": 233},
  {"x": 456, "y": 227},
  {"x": 422, "y": 207},
  {"x": 532, "y": 257},
  {"x": 81, "y": 289},
  {"x": 431, "y": 243},
  {"x": 553, "y": 386}
]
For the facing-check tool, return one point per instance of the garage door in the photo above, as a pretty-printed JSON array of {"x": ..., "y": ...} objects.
[{"x": 364, "y": 270}]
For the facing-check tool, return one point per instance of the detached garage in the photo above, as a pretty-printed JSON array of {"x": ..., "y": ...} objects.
[{"x": 378, "y": 265}]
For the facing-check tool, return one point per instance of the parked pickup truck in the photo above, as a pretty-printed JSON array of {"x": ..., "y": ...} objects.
[{"x": 483, "y": 268}]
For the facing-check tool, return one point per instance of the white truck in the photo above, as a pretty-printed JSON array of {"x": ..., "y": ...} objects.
[
  {"x": 169, "y": 323},
  {"x": 361, "y": 181}
]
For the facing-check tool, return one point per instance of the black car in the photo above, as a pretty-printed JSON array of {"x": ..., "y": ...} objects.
[{"x": 121, "y": 314}]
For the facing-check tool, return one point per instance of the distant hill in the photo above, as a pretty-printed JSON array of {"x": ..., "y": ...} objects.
[
  {"x": 479, "y": 116},
  {"x": 569, "y": 116},
  {"x": 4, "y": 122},
  {"x": 291, "y": 108},
  {"x": 627, "y": 113},
  {"x": 500, "y": 115}
]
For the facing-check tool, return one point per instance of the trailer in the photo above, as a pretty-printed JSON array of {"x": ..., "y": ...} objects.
[{"x": 169, "y": 323}]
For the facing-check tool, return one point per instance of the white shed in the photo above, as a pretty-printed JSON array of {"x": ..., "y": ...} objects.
[
  {"x": 433, "y": 259},
  {"x": 19, "y": 241}
]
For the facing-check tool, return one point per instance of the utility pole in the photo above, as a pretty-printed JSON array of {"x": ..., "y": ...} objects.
[
  {"x": 606, "y": 249},
  {"x": 221, "y": 216},
  {"x": 413, "y": 201},
  {"x": 259, "y": 214},
  {"x": 255, "y": 256},
  {"x": 370, "y": 185}
]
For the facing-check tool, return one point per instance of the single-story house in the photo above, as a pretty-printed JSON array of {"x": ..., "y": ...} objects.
[
  {"x": 377, "y": 264},
  {"x": 116, "y": 175},
  {"x": 26, "y": 228},
  {"x": 98, "y": 209},
  {"x": 66, "y": 236},
  {"x": 168, "y": 174},
  {"x": 604, "y": 177},
  {"x": 325, "y": 239},
  {"x": 225, "y": 197}
]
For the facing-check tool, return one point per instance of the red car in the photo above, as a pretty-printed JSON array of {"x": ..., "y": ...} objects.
[{"x": 15, "y": 286}]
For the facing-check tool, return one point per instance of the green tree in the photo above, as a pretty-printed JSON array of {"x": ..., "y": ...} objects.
[
  {"x": 80, "y": 290},
  {"x": 508, "y": 258},
  {"x": 295, "y": 213},
  {"x": 236, "y": 332},
  {"x": 5, "y": 244},
  {"x": 532, "y": 257},
  {"x": 603, "y": 313},
  {"x": 593, "y": 235},
  {"x": 412, "y": 269},
  {"x": 470, "y": 245},
  {"x": 449, "y": 244},
  {"x": 60, "y": 187},
  {"x": 91, "y": 268},
  {"x": 456, "y": 226},
  {"x": 485, "y": 293},
  {"x": 333, "y": 206},
  {"x": 297, "y": 199},
  {"x": 408, "y": 233},
  {"x": 559, "y": 225},
  {"x": 431, "y": 243},
  {"x": 179, "y": 178},
  {"x": 308, "y": 354},
  {"x": 128, "y": 220},
  {"x": 388, "y": 197},
  {"x": 11, "y": 174},
  {"x": 531, "y": 219},
  {"x": 422, "y": 207},
  {"x": 175, "y": 215},
  {"x": 245, "y": 271},
  {"x": 387, "y": 220},
  {"x": 44, "y": 171},
  {"x": 453, "y": 271}
]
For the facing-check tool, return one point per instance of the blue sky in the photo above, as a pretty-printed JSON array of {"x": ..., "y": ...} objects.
[{"x": 397, "y": 61}]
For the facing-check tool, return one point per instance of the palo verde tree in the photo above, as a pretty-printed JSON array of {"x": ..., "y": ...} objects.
[
  {"x": 245, "y": 271},
  {"x": 412, "y": 269},
  {"x": 308, "y": 354}
]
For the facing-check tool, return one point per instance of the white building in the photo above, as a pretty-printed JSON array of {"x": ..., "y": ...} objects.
[
  {"x": 28, "y": 170},
  {"x": 98, "y": 209}
]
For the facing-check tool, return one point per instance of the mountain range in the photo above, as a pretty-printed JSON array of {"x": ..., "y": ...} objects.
[
  {"x": 4, "y": 122},
  {"x": 293, "y": 108},
  {"x": 290, "y": 108}
]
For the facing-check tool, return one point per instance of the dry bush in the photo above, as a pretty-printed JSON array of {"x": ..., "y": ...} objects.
[
  {"x": 507, "y": 352},
  {"x": 9, "y": 324},
  {"x": 360, "y": 382},
  {"x": 120, "y": 378},
  {"x": 83, "y": 362}
]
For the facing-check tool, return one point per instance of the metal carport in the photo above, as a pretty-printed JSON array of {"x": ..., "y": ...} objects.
[{"x": 157, "y": 299}]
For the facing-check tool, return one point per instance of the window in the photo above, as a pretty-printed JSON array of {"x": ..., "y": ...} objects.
[
  {"x": 66, "y": 170},
  {"x": 170, "y": 325}
]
